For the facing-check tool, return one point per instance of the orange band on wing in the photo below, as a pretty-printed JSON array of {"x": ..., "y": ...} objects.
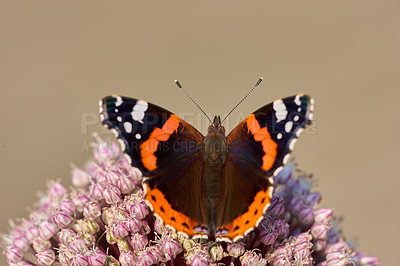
[
  {"x": 149, "y": 147},
  {"x": 249, "y": 219},
  {"x": 262, "y": 135},
  {"x": 171, "y": 217}
]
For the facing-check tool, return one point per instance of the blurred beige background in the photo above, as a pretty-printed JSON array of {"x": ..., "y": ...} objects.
[{"x": 58, "y": 58}]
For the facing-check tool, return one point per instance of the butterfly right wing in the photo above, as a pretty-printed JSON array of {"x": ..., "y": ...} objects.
[{"x": 258, "y": 148}]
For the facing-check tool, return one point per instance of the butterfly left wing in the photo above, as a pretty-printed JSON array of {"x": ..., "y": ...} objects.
[
  {"x": 258, "y": 148},
  {"x": 166, "y": 149}
]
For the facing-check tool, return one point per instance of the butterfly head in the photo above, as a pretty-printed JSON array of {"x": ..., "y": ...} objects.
[
  {"x": 215, "y": 145},
  {"x": 216, "y": 127}
]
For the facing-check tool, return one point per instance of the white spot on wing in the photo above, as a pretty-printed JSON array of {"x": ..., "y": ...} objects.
[
  {"x": 280, "y": 110},
  {"x": 101, "y": 106},
  {"x": 119, "y": 101},
  {"x": 122, "y": 144},
  {"x": 119, "y": 119},
  {"x": 296, "y": 118},
  {"x": 278, "y": 170},
  {"x": 299, "y": 109},
  {"x": 138, "y": 136},
  {"x": 279, "y": 136},
  {"x": 288, "y": 126},
  {"x": 128, "y": 127},
  {"x": 286, "y": 158},
  {"x": 113, "y": 130},
  {"x": 138, "y": 111},
  {"x": 298, "y": 132},
  {"x": 297, "y": 99},
  {"x": 292, "y": 142}
]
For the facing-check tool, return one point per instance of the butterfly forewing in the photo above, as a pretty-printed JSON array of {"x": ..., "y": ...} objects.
[{"x": 267, "y": 136}]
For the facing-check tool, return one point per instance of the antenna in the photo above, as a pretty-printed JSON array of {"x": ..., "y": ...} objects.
[
  {"x": 250, "y": 91},
  {"x": 180, "y": 86}
]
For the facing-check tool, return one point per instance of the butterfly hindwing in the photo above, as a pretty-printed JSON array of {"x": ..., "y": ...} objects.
[{"x": 167, "y": 151}]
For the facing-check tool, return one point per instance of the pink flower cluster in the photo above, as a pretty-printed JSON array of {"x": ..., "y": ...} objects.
[{"x": 104, "y": 220}]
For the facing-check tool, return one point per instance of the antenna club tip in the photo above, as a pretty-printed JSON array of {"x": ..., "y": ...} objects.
[
  {"x": 261, "y": 78},
  {"x": 177, "y": 83}
]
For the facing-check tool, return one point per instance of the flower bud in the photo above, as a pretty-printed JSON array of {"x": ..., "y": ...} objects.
[
  {"x": 252, "y": 258},
  {"x": 216, "y": 252},
  {"x": 22, "y": 243},
  {"x": 313, "y": 198},
  {"x": 96, "y": 191},
  {"x": 90, "y": 227},
  {"x": 127, "y": 258},
  {"x": 338, "y": 258},
  {"x": 125, "y": 184},
  {"x": 92, "y": 210},
  {"x": 78, "y": 245},
  {"x": 322, "y": 215},
  {"x": 159, "y": 226},
  {"x": 89, "y": 239},
  {"x": 295, "y": 205},
  {"x": 46, "y": 257},
  {"x": 40, "y": 244},
  {"x": 32, "y": 232},
  {"x": 112, "y": 177},
  {"x": 79, "y": 200},
  {"x": 80, "y": 178},
  {"x": 68, "y": 206},
  {"x": 56, "y": 190},
  {"x": 111, "y": 239},
  {"x": 199, "y": 257},
  {"x": 123, "y": 244},
  {"x": 138, "y": 241},
  {"x": 319, "y": 231},
  {"x": 14, "y": 254},
  {"x": 268, "y": 236},
  {"x": 97, "y": 257},
  {"x": 120, "y": 229},
  {"x": 362, "y": 259},
  {"x": 157, "y": 253},
  {"x": 277, "y": 206},
  {"x": 306, "y": 216},
  {"x": 170, "y": 247},
  {"x": 112, "y": 195},
  {"x": 145, "y": 257},
  {"x": 66, "y": 235},
  {"x": 235, "y": 249},
  {"x": 47, "y": 230},
  {"x": 79, "y": 259},
  {"x": 62, "y": 219},
  {"x": 140, "y": 209}
]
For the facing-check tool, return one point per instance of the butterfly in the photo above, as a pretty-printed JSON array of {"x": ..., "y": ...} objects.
[{"x": 215, "y": 187}]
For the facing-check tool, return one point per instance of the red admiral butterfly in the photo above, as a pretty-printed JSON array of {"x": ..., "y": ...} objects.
[{"x": 217, "y": 186}]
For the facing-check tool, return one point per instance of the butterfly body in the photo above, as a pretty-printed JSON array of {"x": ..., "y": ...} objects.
[
  {"x": 214, "y": 151},
  {"x": 217, "y": 186}
]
